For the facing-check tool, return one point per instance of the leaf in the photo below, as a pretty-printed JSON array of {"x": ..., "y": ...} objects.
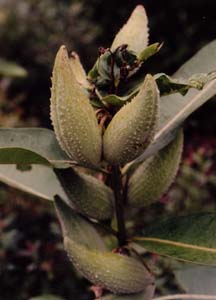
[
  {"x": 134, "y": 33},
  {"x": 39, "y": 181},
  {"x": 168, "y": 85},
  {"x": 120, "y": 100},
  {"x": 174, "y": 109},
  {"x": 11, "y": 69},
  {"x": 149, "y": 51},
  {"x": 188, "y": 238},
  {"x": 197, "y": 279},
  {"x": 31, "y": 146}
]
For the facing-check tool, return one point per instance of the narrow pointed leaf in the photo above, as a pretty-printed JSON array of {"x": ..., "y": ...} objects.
[
  {"x": 149, "y": 51},
  {"x": 188, "y": 238},
  {"x": 174, "y": 109},
  {"x": 39, "y": 181},
  {"x": 135, "y": 32},
  {"x": 31, "y": 146}
]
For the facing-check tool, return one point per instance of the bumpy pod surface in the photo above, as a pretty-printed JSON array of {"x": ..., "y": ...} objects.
[
  {"x": 135, "y": 32},
  {"x": 89, "y": 195},
  {"x": 132, "y": 128},
  {"x": 77, "y": 228},
  {"x": 117, "y": 273},
  {"x": 72, "y": 115},
  {"x": 153, "y": 177},
  {"x": 87, "y": 251},
  {"x": 148, "y": 293}
]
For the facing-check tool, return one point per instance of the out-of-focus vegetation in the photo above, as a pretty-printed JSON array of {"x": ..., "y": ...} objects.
[{"x": 32, "y": 261}]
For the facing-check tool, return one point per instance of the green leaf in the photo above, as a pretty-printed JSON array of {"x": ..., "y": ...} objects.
[
  {"x": 168, "y": 85},
  {"x": 188, "y": 238},
  {"x": 120, "y": 100},
  {"x": 174, "y": 109},
  {"x": 197, "y": 279},
  {"x": 11, "y": 69},
  {"x": 149, "y": 51},
  {"x": 31, "y": 146},
  {"x": 39, "y": 181},
  {"x": 134, "y": 33}
]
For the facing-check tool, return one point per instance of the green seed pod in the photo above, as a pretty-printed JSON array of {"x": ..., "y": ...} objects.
[
  {"x": 132, "y": 128},
  {"x": 89, "y": 195},
  {"x": 153, "y": 177},
  {"x": 77, "y": 228},
  {"x": 117, "y": 273},
  {"x": 148, "y": 293},
  {"x": 72, "y": 115}
]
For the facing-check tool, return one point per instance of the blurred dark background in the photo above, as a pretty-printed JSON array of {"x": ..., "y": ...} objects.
[{"x": 31, "y": 31}]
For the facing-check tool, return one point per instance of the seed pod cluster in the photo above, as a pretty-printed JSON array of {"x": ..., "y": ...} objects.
[
  {"x": 72, "y": 115},
  {"x": 153, "y": 177},
  {"x": 133, "y": 126},
  {"x": 89, "y": 195}
]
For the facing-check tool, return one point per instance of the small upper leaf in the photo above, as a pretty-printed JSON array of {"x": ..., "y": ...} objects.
[
  {"x": 188, "y": 238},
  {"x": 134, "y": 33}
]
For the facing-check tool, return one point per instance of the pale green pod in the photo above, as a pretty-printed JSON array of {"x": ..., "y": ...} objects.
[
  {"x": 72, "y": 115},
  {"x": 153, "y": 177},
  {"x": 132, "y": 128},
  {"x": 89, "y": 195},
  {"x": 147, "y": 294},
  {"x": 87, "y": 251},
  {"x": 117, "y": 273},
  {"x": 77, "y": 228},
  {"x": 134, "y": 33}
]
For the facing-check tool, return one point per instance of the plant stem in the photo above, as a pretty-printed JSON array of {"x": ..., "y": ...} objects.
[{"x": 119, "y": 205}]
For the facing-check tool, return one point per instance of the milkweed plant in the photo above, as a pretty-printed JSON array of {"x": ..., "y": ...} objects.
[{"x": 116, "y": 148}]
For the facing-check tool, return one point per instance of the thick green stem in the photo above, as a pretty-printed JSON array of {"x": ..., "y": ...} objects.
[{"x": 119, "y": 205}]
